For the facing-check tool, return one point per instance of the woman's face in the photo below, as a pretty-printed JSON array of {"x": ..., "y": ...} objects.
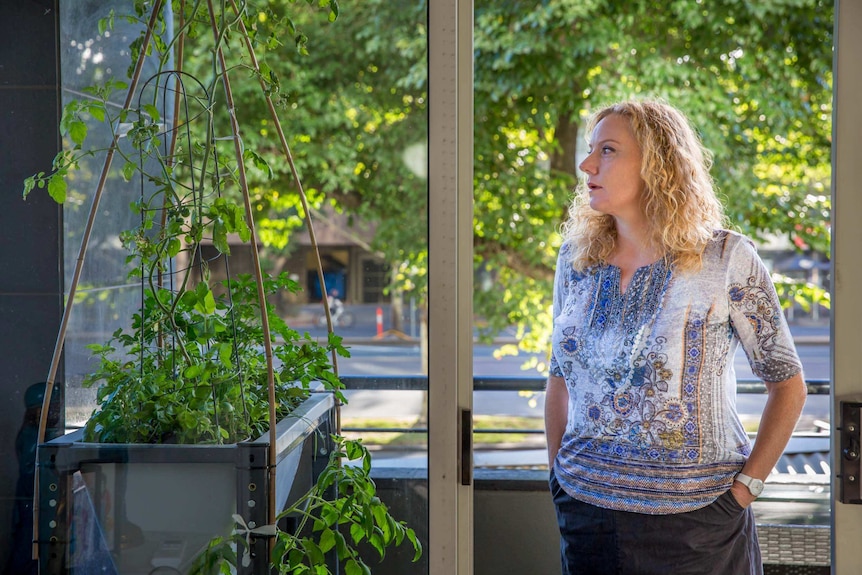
[{"x": 613, "y": 169}]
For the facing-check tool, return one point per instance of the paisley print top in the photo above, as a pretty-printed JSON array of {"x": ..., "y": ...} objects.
[{"x": 652, "y": 422}]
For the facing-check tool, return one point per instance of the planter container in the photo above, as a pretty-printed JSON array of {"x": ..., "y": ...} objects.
[{"x": 129, "y": 509}]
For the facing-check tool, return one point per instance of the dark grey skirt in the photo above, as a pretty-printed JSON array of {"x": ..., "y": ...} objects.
[{"x": 719, "y": 539}]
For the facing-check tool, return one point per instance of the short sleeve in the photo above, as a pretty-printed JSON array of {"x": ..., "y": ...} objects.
[
  {"x": 562, "y": 272},
  {"x": 757, "y": 318}
]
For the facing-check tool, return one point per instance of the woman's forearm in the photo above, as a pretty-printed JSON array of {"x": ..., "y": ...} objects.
[
  {"x": 556, "y": 414},
  {"x": 783, "y": 407}
]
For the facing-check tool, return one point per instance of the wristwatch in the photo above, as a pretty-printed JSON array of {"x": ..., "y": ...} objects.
[{"x": 755, "y": 486}]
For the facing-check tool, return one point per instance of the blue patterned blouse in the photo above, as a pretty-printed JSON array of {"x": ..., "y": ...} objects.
[{"x": 652, "y": 422}]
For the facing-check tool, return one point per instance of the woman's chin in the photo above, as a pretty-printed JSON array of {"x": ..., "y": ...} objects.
[{"x": 596, "y": 205}]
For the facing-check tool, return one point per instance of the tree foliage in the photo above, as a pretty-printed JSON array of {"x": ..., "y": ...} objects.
[
  {"x": 353, "y": 103},
  {"x": 755, "y": 78}
]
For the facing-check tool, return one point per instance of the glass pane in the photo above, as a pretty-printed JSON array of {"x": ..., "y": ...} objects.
[
  {"x": 530, "y": 139},
  {"x": 372, "y": 158},
  {"x": 105, "y": 298},
  {"x": 122, "y": 526},
  {"x": 538, "y": 76},
  {"x": 354, "y": 112}
]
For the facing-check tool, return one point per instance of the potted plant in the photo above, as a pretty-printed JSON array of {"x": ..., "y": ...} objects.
[{"x": 182, "y": 465}]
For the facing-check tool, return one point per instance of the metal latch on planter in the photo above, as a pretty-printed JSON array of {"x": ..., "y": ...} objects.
[{"x": 850, "y": 429}]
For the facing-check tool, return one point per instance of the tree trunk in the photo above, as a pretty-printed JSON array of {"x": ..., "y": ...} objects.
[
  {"x": 564, "y": 158},
  {"x": 396, "y": 311}
]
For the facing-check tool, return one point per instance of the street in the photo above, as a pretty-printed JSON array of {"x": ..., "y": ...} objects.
[{"x": 395, "y": 360}]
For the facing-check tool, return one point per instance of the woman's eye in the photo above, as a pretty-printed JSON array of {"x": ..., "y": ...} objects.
[{"x": 607, "y": 150}]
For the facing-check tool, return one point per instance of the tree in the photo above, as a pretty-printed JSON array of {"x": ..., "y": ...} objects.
[
  {"x": 354, "y": 104},
  {"x": 756, "y": 80},
  {"x": 754, "y": 77}
]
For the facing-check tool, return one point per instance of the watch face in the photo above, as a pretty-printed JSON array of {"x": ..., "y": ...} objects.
[{"x": 756, "y": 487}]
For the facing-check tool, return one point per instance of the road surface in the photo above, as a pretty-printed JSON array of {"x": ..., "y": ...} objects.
[{"x": 404, "y": 360}]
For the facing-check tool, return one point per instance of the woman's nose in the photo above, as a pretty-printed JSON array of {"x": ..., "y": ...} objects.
[{"x": 586, "y": 165}]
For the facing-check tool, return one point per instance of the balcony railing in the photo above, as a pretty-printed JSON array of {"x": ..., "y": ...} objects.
[{"x": 503, "y": 383}]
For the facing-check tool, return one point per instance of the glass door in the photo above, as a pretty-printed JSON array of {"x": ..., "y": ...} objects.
[
  {"x": 538, "y": 75},
  {"x": 378, "y": 112}
]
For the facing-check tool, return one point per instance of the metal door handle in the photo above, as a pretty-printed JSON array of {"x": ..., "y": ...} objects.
[{"x": 466, "y": 433}]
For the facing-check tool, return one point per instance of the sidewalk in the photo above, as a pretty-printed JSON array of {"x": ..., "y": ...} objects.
[{"x": 811, "y": 334}]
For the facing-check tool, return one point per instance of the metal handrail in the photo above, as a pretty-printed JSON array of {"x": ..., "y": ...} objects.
[{"x": 526, "y": 383}]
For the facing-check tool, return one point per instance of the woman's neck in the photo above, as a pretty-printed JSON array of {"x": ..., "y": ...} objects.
[
  {"x": 634, "y": 247},
  {"x": 633, "y": 256}
]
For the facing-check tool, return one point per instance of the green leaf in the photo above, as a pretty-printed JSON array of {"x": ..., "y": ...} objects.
[
  {"x": 377, "y": 542},
  {"x": 70, "y": 114},
  {"x": 97, "y": 110},
  {"x": 411, "y": 535},
  {"x": 220, "y": 237},
  {"x": 78, "y": 132},
  {"x": 312, "y": 550},
  {"x": 326, "y": 540},
  {"x": 29, "y": 184},
  {"x": 242, "y": 229},
  {"x": 264, "y": 69},
  {"x": 357, "y": 533},
  {"x": 341, "y": 545},
  {"x": 193, "y": 371},
  {"x": 187, "y": 420},
  {"x": 106, "y": 23},
  {"x": 174, "y": 246},
  {"x": 354, "y": 449},
  {"x": 152, "y": 112},
  {"x": 295, "y": 558},
  {"x": 129, "y": 170},
  {"x": 189, "y": 299},
  {"x": 258, "y": 162},
  {"x": 352, "y": 568},
  {"x": 57, "y": 188},
  {"x": 380, "y": 516},
  {"x": 209, "y": 303},
  {"x": 225, "y": 353}
]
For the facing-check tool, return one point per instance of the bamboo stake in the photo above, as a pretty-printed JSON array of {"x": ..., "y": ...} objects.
[
  {"x": 79, "y": 266},
  {"x": 261, "y": 294}
]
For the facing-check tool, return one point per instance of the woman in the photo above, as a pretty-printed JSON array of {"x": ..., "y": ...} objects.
[{"x": 652, "y": 470}]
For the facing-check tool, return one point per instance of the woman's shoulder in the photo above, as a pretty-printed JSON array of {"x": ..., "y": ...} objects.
[
  {"x": 730, "y": 236},
  {"x": 565, "y": 263},
  {"x": 566, "y": 253},
  {"x": 725, "y": 242}
]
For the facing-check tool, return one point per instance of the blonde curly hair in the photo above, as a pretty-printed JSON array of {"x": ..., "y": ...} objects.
[{"x": 679, "y": 197}]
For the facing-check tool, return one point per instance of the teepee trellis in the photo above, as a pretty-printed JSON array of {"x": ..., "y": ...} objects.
[{"x": 218, "y": 29}]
